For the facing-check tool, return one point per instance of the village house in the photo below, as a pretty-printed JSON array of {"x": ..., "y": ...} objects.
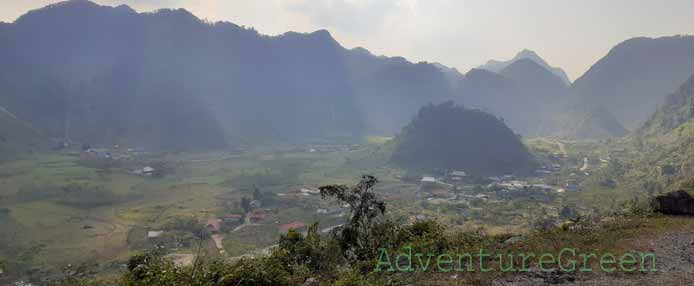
[
  {"x": 571, "y": 187},
  {"x": 514, "y": 184},
  {"x": 543, "y": 187},
  {"x": 428, "y": 180},
  {"x": 435, "y": 201},
  {"x": 233, "y": 218},
  {"x": 145, "y": 172},
  {"x": 214, "y": 225},
  {"x": 309, "y": 191},
  {"x": 477, "y": 196},
  {"x": 257, "y": 216},
  {"x": 136, "y": 150},
  {"x": 543, "y": 171},
  {"x": 428, "y": 184},
  {"x": 417, "y": 218},
  {"x": 297, "y": 225},
  {"x": 457, "y": 176},
  {"x": 441, "y": 194},
  {"x": 152, "y": 234},
  {"x": 255, "y": 204},
  {"x": 494, "y": 179},
  {"x": 329, "y": 211}
]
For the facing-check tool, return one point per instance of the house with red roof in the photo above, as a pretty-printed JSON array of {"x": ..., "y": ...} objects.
[
  {"x": 292, "y": 225},
  {"x": 214, "y": 225}
]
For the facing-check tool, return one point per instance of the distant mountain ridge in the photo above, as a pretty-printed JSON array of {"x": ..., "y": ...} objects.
[
  {"x": 524, "y": 94},
  {"x": 390, "y": 90},
  {"x": 531, "y": 74},
  {"x": 497, "y": 66},
  {"x": 118, "y": 76},
  {"x": 153, "y": 79},
  {"x": 589, "y": 123},
  {"x": 634, "y": 78}
]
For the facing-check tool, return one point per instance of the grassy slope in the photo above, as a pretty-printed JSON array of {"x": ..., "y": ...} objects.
[{"x": 17, "y": 137}]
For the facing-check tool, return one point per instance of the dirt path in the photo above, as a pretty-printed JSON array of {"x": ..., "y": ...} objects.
[
  {"x": 214, "y": 159},
  {"x": 674, "y": 253},
  {"x": 256, "y": 253},
  {"x": 246, "y": 223},
  {"x": 560, "y": 145},
  {"x": 586, "y": 165}
]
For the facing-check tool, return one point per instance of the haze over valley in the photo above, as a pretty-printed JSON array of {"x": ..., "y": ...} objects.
[{"x": 161, "y": 148}]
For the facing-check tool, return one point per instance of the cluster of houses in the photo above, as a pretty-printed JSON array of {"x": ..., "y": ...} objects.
[
  {"x": 568, "y": 187},
  {"x": 417, "y": 218},
  {"x": 330, "y": 148},
  {"x": 300, "y": 192},
  {"x": 146, "y": 171},
  {"x": 458, "y": 187},
  {"x": 296, "y": 225},
  {"x": 548, "y": 169},
  {"x": 330, "y": 211},
  {"x": 115, "y": 153},
  {"x": 515, "y": 185}
]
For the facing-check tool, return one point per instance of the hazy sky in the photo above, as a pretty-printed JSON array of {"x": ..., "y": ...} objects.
[{"x": 458, "y": 33}]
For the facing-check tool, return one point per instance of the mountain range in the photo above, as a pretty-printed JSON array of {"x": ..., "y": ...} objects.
[
  {"x": 635, "y": 77},
  {"x": 115, "y": 76},
  {"x": 524, "y": 94},
  {"x": 497, "y": 66},
  {"x": 168, "y": 80}
]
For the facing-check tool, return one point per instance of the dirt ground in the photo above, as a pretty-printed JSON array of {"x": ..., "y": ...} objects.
[{"x": 674, "y": 251}]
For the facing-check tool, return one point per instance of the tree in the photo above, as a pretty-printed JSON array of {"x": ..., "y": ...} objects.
[
  {"x": 311, "y": 250},
  {"x": 257, "y": 195},
  {"x": 365, "y": 209},
  {"x": 246, "y": 204},
  {"x": 568, "y": 213}
]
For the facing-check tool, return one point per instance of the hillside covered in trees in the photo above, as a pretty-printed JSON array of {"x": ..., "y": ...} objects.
[
  {"x": 663, "y": 148},
  {"x": 17, "y": 137},
  {"x": 169, "y": 80},
  {"x": 452, "y": 137}
]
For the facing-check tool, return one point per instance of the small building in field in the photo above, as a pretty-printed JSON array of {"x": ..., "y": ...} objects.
[
  {"x": 457, "y": 176},
  {"x": 145, "y": 172},
  {"x": 154, "y": 234},
  {"x": 233, "y": 218},
  {"x": 257, "y": 216},
  {"x": 571, "y": 187},
  {"x": 297, "y": 225},
  {"x": 310, "y": 191},
  {"x": 329, "y": 211},
  {"x": 417, "y": 218},
  {"x": 255, "y": 204},
  {"x": 441, "y": 194},
  {"x": 214, "y": 225}
]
